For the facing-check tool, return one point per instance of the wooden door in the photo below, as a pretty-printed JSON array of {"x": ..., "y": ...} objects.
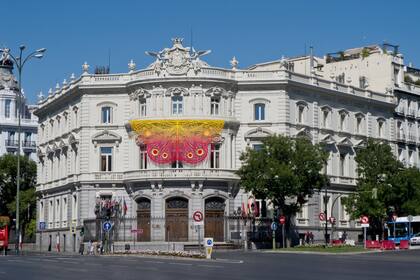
[
  {"x": 143, "y": 220},
  {"x": 214, "y": 218},
  {"x": 176, "y": 219}
]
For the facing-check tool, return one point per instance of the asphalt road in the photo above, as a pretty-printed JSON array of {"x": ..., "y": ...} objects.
[{"x": 228, "y": 265}]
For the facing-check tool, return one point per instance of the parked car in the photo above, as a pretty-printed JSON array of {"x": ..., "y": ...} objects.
[{"x": 415, "y": 239}]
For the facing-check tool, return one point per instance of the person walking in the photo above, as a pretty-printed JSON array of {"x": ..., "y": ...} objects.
[{"x": 81, "y": 248}]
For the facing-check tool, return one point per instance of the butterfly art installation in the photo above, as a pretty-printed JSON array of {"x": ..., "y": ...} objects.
[{"x": 186, "y": 141}]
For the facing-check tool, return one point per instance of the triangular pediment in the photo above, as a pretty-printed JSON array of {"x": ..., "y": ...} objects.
[
  {"x": 258, "y": 132},
  {"x": 328, "y": 139},
  {"x": 345, "y": 142},
  {"x": 106, "y": 137}
]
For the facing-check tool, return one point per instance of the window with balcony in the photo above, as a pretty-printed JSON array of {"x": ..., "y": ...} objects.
[
  {"x": 214, "y": 105},
  {"x": 11, "y": 138},
  {"x": 363, "y": 82},
  {"x": 177, "y": 105},
  {"x": 106, "y": 113},
  {"x": 106, "y": 158},
  {"x": 143, "y": 107},
  {"x": 50, "y": 214},
  {"x": 215, "y": 156},
  {"x": 7, "y": 104},
  {"x": 64, "y": 210},
  {"x": 259, "y": 112},
  {"x": 143, "y": 157},
  {"x": 57, "y": 210}
]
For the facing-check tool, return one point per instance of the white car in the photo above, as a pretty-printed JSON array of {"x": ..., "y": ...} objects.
[{"x": 415, "y": 239}]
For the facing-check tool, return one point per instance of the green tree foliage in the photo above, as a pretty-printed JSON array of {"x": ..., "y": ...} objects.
[
  {"x": 384, "y": 187},
  {"x": 286, "y": 171},
  {"x": 8, "y": 171}
]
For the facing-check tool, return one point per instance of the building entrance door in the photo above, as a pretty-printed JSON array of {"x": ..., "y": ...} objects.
[
  {"x": 143, "y": 219},
  {"x": 176, "y": 218},
  {"x": 214, "y": 218}
]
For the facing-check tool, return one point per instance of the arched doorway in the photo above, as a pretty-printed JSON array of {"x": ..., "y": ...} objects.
[
  {"x": 214, "y": 218},
  {"x": 143, "y": 219},
  {"x": 176, "y": 219}
]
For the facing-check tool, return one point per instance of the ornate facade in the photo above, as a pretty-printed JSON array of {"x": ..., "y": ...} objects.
[
  {"x": 165, "y": 141},
  {"x": 9, "y": 91}
]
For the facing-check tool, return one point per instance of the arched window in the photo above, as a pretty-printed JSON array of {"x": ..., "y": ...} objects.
[
  {"x": 381, "y": 128},
  {"x": 359, "y": 123},
  {"x": 259, "y": 111},
  {"x": 214, "y": 105}
]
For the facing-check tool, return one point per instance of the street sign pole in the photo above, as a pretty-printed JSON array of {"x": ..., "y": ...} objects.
[
  {"x": 274, "y": 239},
  {"x": 199, "y": 238},
  {"x": 364, "y": 237},
  {"x": 284, "y": 237}
]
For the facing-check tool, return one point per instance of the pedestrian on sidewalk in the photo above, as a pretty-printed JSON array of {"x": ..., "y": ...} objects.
[{"x": 81, "y": 248}]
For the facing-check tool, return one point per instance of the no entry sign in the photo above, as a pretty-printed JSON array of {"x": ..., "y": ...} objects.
[
  {"x": 282, "y": 220},
  {"x": 364, "y": 220},
  {"x": 321, "y": 216},
  {"x": 198, "y": 217}
]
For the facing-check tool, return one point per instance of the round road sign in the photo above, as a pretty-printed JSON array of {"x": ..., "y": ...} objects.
[
  {"x": 273, "y": 226},
  {"x": 107, "y": 226},
  {"x": 364, "y": 220},
  {"x": 321, "y": 216},
  {"x": 198, "y": 216},
  {"x": 282, "y": 220},
  {"x": 332, "y": 220}
]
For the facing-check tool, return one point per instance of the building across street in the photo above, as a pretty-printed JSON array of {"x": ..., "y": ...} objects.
[{"x": 151, "y": 147}]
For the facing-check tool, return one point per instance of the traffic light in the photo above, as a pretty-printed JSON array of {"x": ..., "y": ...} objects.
[{"x": 82, "y": 231}]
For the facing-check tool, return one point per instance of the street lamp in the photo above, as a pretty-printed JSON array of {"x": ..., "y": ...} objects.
[{"x": 19, "y": 62}]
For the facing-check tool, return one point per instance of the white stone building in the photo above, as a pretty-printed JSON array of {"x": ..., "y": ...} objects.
[
  {"x": 89, "y": 152},
  {"x": 9, "y": 91}
]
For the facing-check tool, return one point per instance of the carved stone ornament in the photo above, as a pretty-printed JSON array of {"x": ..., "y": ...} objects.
[
  {"x": 216, "y": 91},
  {"x": 178, "y": 59},
  {"x": 176, "y": 91},
  {"x": 139, "y": 93}
]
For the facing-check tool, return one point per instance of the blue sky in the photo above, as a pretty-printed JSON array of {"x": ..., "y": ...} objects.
[{"x": 253, "y": 31}]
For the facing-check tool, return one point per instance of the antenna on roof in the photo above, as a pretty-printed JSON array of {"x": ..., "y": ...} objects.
[{"x": 109, "y": 60}]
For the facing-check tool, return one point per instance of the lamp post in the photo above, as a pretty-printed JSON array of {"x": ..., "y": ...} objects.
[{"x": 19, "y": 62}]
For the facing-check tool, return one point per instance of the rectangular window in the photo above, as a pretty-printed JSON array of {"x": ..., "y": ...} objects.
[
  {"x": 106, "y": 158},
  {"x": 177, "y": 105},
  {"x": 259, "y": 112},
  {"x": 7, "y": 104},
  {"x": 325, "y": 114},
  {"x": 358, "y": 125},
  {"x": 215, "y": 156},
  {"x": 143, "y": 157},
  {"x": 74, "y": 208},
  {"x": 143, "y": 107},
  {"x": 342, "y": 164},
  {"x": 177, "y": 164},
  {"x": 380, "y": 129},
  {"x": 257, "y": 147},
  {"x": 300, "y": 114},
  {"x": 106, "y": 114},
  {"x": 342, "y": 122},
  {"x": 64, "y": 212},
  {"x": 344, "y": 216},
  {"x": 215, "y": 103}
]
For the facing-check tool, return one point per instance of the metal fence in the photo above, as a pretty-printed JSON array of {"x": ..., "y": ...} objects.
[{"x": 228, "y": 229}]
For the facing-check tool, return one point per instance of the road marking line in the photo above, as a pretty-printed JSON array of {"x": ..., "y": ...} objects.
[
  {"x": 186, "y": 264},
  {"x": 153, "y": 261},
  {"x": 208, "y": 265}
]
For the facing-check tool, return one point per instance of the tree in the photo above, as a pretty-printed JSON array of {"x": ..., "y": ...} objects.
[
  {"x": 285, "y": 171},
  {"x": 8, "y": 172},
  {"x": 378, "y": 169}
]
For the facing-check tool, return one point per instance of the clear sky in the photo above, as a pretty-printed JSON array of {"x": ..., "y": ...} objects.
[{"x": 253, "y": 31}]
